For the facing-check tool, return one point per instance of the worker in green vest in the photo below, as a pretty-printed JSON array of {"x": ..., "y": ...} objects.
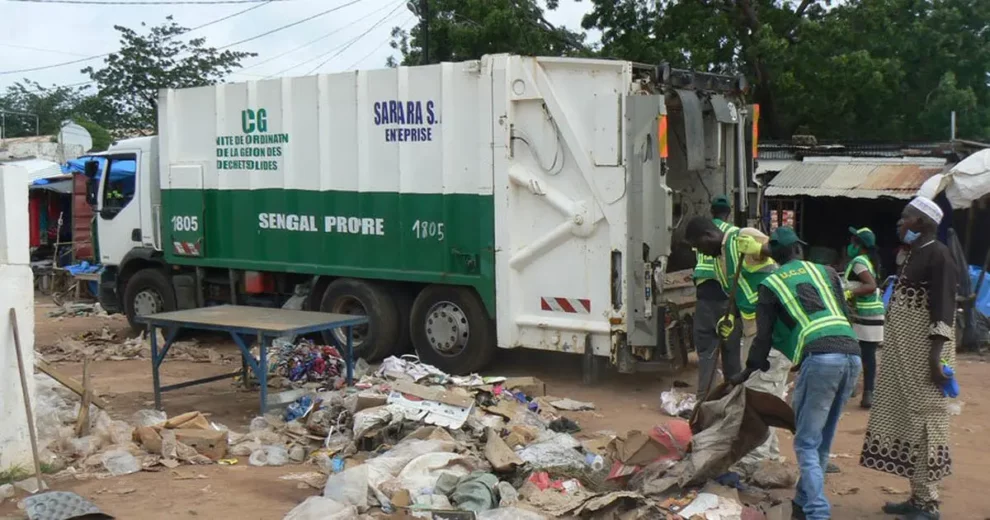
[
  {"x": 863, "y": 295},
  {"x": 711, "y": 305},
  {"x": 756, "y": 265},
  {"x": 802, "y": 314}
]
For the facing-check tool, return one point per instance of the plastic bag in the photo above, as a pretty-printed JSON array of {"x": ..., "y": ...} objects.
[
  {"x": 510, "y": 513},
  {"x": 259, "y": 424},
  {"x": 148, "y": 417},
  {"x": 84, "y": 446},
  {"x": 349, "y": 487},
  {"x": 552, "y": 454},
  {"x": 120, "y": 462},
  {"x": 269, "y": 456},
  {"x": 321, "y": 508}
]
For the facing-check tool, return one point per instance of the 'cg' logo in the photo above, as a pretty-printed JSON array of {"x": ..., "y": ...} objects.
[{"x": 252, "y": 121}]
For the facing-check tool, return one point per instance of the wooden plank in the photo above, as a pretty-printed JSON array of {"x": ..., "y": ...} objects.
[
  {"x": 68, "y": 382},
  {"x": 82, "y": 421}
]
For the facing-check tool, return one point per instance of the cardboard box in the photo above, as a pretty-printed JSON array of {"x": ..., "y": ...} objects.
[
  {"x": 209, "y": 443},
  {"x": 530, "y": 386}
]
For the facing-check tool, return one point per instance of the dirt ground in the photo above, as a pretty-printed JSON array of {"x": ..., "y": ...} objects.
[{"x": 623, "y": 403}]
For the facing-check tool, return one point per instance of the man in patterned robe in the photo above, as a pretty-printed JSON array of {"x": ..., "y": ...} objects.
[{"x": 908, "y": 432}]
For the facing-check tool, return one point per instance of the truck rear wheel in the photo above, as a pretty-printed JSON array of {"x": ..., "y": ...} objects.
[
  {"x": 147, "y": 292},
  {"x": 451, "y": 330},
  {"x": 358, "y": 297}
]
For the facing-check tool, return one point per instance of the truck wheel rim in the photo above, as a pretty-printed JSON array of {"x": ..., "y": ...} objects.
[
  {"x": 353, "y": 307},
  {"x": 447, "y": 329},
  {"x": 148, "y": 302}
]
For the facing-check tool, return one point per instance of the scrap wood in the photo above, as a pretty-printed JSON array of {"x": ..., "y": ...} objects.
[
  {"x": 82, "y": 421},
  {"x": 68, "y": 382}
]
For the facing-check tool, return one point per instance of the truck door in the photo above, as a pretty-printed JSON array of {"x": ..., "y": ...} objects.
[
  {"x": 118, "y": 206},
  {"x": 183, "y": 212},
  {"x": 650, "y": 215}
]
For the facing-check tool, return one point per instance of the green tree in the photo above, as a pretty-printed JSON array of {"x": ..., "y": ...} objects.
[
  {"x": 462, "y": 30},
  {"x": 52, "y": 106},
  {"x": 130, "y": 78},
  {"x": 101, "y": 137}
]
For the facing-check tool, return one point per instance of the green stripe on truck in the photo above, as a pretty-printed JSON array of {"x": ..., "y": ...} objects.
[{"x": 427, "y": 238}]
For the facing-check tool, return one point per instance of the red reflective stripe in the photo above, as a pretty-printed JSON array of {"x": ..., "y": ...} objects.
[
  {"x": 662, "y": 136},
  {"x": 756, "y": 130}
]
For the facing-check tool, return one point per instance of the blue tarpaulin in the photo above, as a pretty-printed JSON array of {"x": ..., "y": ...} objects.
[
  {"x": 983, "y": 298},
  {"x": 119, "y": 170}
]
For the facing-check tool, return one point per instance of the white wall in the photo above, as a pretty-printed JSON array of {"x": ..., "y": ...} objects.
[{"x": 17, "y": 291}]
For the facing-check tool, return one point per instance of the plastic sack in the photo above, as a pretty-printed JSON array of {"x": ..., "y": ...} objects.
[
  {"x": 510, "y": 513},
  {"x": 269, "y": 456},
  {"x": 148, "y": 418},
  {"x": 83, "y": 447},
  {"x": 349, "y": 487},
  {"x": 551, "y": 454},
  {"x": 322, "y": 508},
  {"x": 120, "y": 462}
]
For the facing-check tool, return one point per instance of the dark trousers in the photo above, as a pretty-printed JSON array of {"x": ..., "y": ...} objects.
[
  {"x": 868, "y": 351},
  {"x": 706, "y": 316}
]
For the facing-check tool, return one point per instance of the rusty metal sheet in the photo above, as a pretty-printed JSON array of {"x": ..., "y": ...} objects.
[{"x": 852, "y": 180}]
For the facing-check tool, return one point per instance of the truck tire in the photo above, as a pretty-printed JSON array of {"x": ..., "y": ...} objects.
[
  {"x": 359, "y": 297},
  {"x": 147, "y": 292},
  {"x": 451, "y": 329}
]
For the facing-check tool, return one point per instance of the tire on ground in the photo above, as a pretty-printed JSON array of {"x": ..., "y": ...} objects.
[
  {"x": 148, "y": 280},
  {"x": 369, "y": 298},
  {"x": 462, "y": 317}
]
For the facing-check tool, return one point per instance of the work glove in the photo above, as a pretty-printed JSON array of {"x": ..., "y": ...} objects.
[
  {"x": 849, "y": 295},
  {"x": 725, "y": 326},
  {"x": 748, "y": 245},
  {"x": 741, "y": 377}
]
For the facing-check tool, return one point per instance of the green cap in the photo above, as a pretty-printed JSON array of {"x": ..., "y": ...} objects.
[
  {"x": 785, "y": 236},
  {"x": 865, "y": 235},
  {"x": 721, "y": 202}
]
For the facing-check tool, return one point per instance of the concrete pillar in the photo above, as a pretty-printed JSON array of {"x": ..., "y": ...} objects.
[{"x": 17, "y": 291}]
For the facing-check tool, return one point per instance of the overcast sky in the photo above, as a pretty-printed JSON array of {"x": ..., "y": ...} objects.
[{"x": 38, "y": 34}]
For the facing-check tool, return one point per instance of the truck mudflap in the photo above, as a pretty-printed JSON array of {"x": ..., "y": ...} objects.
[{"x": 108, "y": 297}]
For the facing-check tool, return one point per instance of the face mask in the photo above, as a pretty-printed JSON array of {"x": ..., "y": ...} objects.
[
  {"x": 910, "y": 236},
  {"x": 852, "y": 250}
]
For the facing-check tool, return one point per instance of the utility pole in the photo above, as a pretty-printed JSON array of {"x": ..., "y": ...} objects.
[
  {"x": 424, "y": 6},
  {"x": 422, "y": 10}
]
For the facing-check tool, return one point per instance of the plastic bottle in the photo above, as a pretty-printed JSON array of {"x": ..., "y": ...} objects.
[{"x": 595, "y": 462}]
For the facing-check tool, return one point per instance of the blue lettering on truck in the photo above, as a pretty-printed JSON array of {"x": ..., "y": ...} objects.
[{"x": 406, "y": 121}]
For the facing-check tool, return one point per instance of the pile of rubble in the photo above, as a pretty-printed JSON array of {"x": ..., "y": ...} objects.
[
  {"x": 412, "y": 441},
  {"x": 106, "y": 346},
  {"x": 78, "y": 310}
]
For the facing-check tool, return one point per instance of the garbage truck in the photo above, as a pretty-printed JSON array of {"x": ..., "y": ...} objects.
[{"x": 506, "y": 202}]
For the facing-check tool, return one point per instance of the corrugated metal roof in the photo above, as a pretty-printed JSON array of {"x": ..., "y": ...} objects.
[{"x": 858, "y": 180}]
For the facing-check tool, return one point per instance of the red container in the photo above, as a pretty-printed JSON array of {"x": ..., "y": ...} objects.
[{"x": 256, "y": 282}]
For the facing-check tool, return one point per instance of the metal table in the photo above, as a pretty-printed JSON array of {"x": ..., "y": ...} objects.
[{"x": 243, "y": 322}]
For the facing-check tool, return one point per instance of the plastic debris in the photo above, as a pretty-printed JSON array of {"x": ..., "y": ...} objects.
[
  {"x": 572, "y": 405},
  {"x": 120, "y": 462},
  {"x": 269, "y": 456},
  {"x": 675, "y": 402},
  {"x": 148, "y": 418}
]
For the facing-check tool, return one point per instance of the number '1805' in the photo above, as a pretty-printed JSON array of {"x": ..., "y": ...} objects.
[
  {"x": 185, "y": 223},
  {"x": 423, "y": 229}
]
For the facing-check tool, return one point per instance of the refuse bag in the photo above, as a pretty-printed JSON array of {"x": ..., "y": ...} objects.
[
  {"x": 321, "y": 508},
  {"x": 733, "y": 422}
]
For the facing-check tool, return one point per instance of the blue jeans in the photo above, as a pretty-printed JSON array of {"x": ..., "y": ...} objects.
[{"x": 823, "y": 387}]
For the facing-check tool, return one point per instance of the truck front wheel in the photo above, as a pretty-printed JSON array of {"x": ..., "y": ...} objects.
[
  {"x": 451, "y": 330},
  {"x": 147, "y": 292},
  {"x": 358, "y": 297}
]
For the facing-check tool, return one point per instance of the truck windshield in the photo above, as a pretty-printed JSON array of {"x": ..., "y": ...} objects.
[{"x": 119, "y": 184}]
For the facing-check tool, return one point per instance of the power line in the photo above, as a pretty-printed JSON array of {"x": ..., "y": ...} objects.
[
  {"x": 355, "y": 40},
  {"x": 379, "y": 46},
  {"x": 293, "y": 24},
  {"x": 148, "y": 2},
  {"x": 325, "y": 36},
  {"x": 28, "y": 47},
  {"x": 104, "y": 55}
]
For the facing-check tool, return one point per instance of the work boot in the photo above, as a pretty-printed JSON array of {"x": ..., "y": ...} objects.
[
  {"x": 901, "y": 508},
  {"x": 867, "y": 401},
  {"x": 832, "y": 468}
]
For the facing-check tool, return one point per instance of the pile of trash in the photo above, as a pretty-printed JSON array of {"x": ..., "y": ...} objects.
[
  {"x": 106, "y": 346},
  {"x": 306, "y": 364},
  {"x": 78, "y": 310},
  {"x": 412, "y": 438}
]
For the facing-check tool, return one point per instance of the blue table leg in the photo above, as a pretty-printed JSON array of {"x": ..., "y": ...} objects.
[
  {"x": 263, "y": 373},
  {"x": 350, "y": 356},
  {"x": 155, "y": 380}
]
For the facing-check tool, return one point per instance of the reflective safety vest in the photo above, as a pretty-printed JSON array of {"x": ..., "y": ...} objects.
[
  {"x": 747, "y": 295},
  {"x": 868, "y": 304},
  {"x": 705, "y": 268},
  {"x": 725, "y": 267},
  {"x": 809, "y": 324}
]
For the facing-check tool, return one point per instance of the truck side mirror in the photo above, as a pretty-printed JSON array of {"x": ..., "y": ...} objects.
[{"x": 90, "y": 170}]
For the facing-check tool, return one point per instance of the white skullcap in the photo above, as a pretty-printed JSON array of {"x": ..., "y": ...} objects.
[{"x": 928, "y": 208}]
